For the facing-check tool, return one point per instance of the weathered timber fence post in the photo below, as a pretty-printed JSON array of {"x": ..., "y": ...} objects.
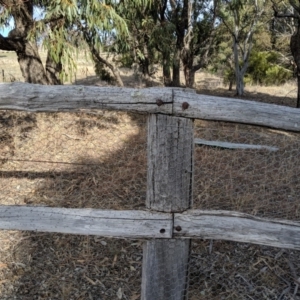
[{"x": 169, "y": 189}]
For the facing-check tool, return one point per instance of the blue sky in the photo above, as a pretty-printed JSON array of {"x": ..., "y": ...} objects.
[
  {"x": 37, "y": 14},
  {"x": 4, "y": 31}
]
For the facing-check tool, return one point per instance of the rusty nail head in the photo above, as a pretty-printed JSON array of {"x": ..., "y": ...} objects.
[
  {"x": 162, "y": 230},
  {"x": 159, "y": 102},
  {"x": 178, "y": 228},
  {"x": 185, "y": 105}
]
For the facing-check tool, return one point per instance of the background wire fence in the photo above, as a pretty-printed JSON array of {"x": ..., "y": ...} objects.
[
  {"x": 99, "y": 160},
  {"x": 260, "y": 182}
]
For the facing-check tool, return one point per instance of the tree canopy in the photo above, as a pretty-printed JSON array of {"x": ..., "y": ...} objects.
[{"x": 231, "y": 37}]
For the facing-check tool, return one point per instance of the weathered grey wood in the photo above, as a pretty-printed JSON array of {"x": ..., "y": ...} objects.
[
  {"x": 233, "y": 145},
  {"x": 236, "y": 110},
  {"x": 29, "y": 97},
  {"x": 239, "y": 227},
  {"x": 169, "y": 189},
  {"x": 110, "y": 223},
  {"x": 34, "y": 97},
  {"x": 170, "y": 165},
  {"x": 165, "y": 264}
]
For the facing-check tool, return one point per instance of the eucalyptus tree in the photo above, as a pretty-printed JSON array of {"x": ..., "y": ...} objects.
[
  {"x": 174, "y": 33},
  {"x": 60, "y": 23},
  {"x": 194, "y": 24},
  {"x": 199, "y": 38},
  {"x": 242, "y": 19}
]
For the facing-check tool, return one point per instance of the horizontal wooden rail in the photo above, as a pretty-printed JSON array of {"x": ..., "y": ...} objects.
[
  {"x": 177, "y": 102},
  {"x": 233, "y": 146},
  {"x": 218, "y": 225},
  {"x": 236, "y": 110},
  {"x": 239, "y": 227},
  {"x": 109, "y": 223},
  {"x": 49, "y": 98}
]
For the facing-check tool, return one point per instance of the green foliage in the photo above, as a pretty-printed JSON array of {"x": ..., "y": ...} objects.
[
  {"x": 277, "y": 75},
  {"x": 126, "y": 60},
  {"x": 229, "y": 76},
  {"x": 264, "y": 68},
  {"x": 64, "y": 25},
  {"x": 103, "y": 73}
]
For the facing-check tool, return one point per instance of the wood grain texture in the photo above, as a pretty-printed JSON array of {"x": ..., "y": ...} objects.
[
  {"x": 165, "y": 264},
  {"x": 235, "y": 110},
  {"x": 170, "y": 163},
  {"x": 110, "y": 223},
  {"x": 227, "y": 145},
  {"x": 169, "y": 189},
  {"x": 239, "y": 227},
  {"x": 34, "y": 97}
]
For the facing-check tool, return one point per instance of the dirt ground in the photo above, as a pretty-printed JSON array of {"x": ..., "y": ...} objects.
[{"x": 98, "y": 160}]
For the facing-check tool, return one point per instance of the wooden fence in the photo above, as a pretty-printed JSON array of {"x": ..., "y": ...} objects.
[{"x": 169, "y": 217}]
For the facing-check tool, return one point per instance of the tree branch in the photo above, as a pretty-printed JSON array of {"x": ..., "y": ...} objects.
[
  {"x": 11, "y": 44},
  {"x": 281, "y": 15}
]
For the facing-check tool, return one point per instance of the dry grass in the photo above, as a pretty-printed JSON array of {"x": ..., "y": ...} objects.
[
  {"x": 98, "y": 160},
  {"x": 259, "y": 182}
]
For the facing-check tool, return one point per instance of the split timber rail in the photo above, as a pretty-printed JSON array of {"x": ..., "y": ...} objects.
[{"x": 169, "y": 215}]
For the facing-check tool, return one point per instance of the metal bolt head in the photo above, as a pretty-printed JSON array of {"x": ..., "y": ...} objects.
[
  {"x": 162, "y": 230},
  {"x": 159, "y": 102},
  {"x": 185, "y": 105},
  {"x": 178, "y": 228}
]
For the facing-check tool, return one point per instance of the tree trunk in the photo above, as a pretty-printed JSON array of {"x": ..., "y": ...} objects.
[
  {"x": 145, "y": 62},
  {"x": 117, "y": 75},
  {"x": 239, "y": 76},
  {"x": 298, "y": 93},
  {"x": 31, "y": 64},
  {"x": 189, "y": 75},
  {"x": 188, "y": 70},
  {"x": 295, "y": 49},
  {"x": 29, "y": 59},
  {"x": 230, "y": 84},
  {"x": 239, "y": 84},
  {"x": 99, "y": 59},
  {"x": 176, "y": 69},
  {"x": 166, "y": 69},
  {"x": 53, "y": 70}
]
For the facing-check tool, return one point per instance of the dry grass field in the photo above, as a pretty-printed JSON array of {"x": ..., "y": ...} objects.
[{"x": 98, "y": 160}]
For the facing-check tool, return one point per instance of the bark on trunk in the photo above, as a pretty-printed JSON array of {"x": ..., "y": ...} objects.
[
  {"x": 31, "y": 64},
  {"x": 166, "y": 70},
  {"x": 53, "y": 70},
  {"x": 29, "y": 59},
  {"x": 189, "y": 75},
  {"x": 176, "y": 69},
  {"x": 98, "y": 59},
  {"x": 239, "y": 84},
  {"x": 117, "y": 76},
  {"x": 145, "y": 62},
  {"x": 239, "y": 75},
  {"x": 188, "y": 69},
  {"x": 295, "y": 49},
  {"x": 298, "y": 94}
]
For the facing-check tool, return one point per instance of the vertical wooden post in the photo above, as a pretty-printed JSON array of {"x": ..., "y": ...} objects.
[{"x": 170, "y": 179}]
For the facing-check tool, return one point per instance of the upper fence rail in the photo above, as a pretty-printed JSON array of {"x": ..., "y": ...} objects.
[{"x": 170, "y": 101}]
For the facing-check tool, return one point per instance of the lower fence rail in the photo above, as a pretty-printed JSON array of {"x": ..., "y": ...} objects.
[{"x": 192, "y": 224}]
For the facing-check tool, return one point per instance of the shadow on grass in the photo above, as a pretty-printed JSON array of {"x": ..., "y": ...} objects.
[{"x": 62, "y": 266}]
